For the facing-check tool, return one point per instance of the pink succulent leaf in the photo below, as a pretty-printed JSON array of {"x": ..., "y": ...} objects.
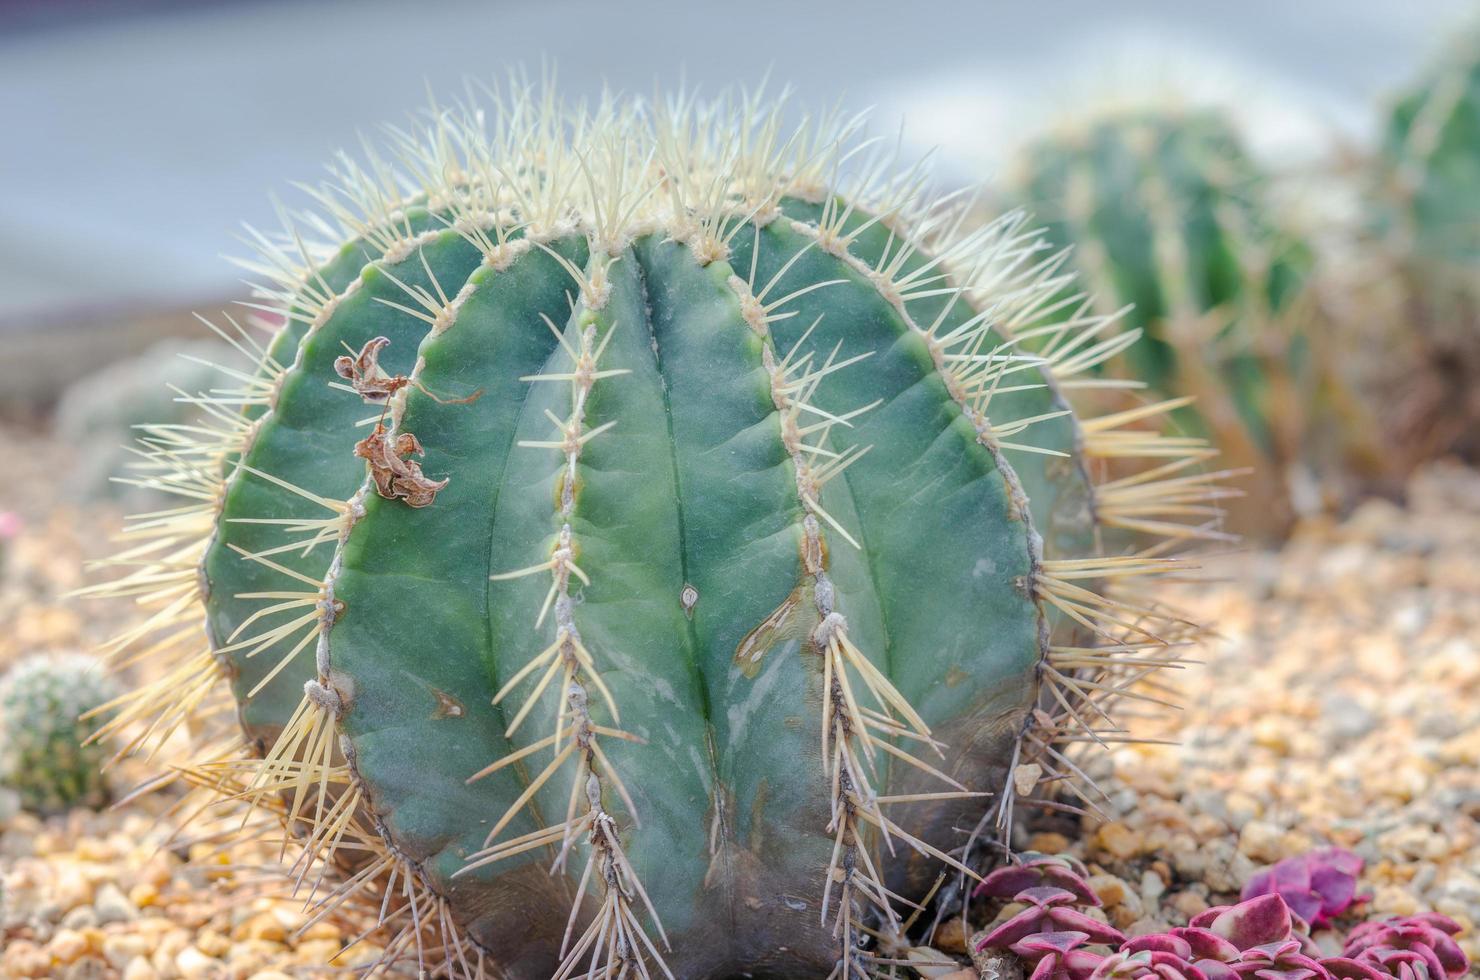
[
  {"x": 1170, "y": 966},
  {"x": 1438, "y": 921},
  {"x": 1159, "y": 942},
  {"x": 1421, "y": 958},
  {"x": 1010, "y": 881},
  {"x": 1261, "y": 920},
  {"x": 1216, "y": 970},
  {"x": 1049, "y": 968},
  {"x": 1019, "y": 927},
  {"x": 1044, "y": 896},
  {"x": 1317, "y": 886},
  {"x": 1428, "y": 935},
  {"x": 1076, "y": 921},
  {"x": 1057, "y": 955},
  {"x": 1400, "y": 962},
  {"x": 1346, "y": 968},
  {"x": 1207, "y": 944},
  {"x": 1041, "y": 944},
  {"x": 1121, "y": 966}
]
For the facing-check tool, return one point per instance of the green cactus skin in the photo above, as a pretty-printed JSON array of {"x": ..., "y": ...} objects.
[
  {"x": 741, "y": 559},
  {"x": 1426, "y": 205},
  {"x": 1164, "y": 212},
  {"x": 44, "y": 753}
]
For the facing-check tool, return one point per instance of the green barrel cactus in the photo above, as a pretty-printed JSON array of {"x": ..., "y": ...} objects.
[
  {"x": 46, "y": 756},
  {"x": 1167, "y": 216},
  {"x": 1426, "y": 209},
  {"x": 646, "y": 551}
]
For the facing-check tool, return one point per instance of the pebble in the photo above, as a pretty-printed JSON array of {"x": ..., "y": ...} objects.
[
  {"x": 111, "y": 905},
  {"x": 196, "y": 965}
]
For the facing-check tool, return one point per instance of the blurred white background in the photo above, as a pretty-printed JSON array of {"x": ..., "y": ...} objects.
[{"x": 135, "y": 137}]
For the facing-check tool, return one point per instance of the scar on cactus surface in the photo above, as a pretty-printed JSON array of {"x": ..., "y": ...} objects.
[{"x": 763, "y": 568}]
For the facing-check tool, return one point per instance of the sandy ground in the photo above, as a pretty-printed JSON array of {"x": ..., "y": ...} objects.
[{"x": 1340, "y": 703}]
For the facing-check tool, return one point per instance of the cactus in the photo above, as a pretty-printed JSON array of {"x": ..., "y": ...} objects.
[
  {"x": 1167, "y": 214},
  {"x": 45, "y": 755},
  {"x": 1425, "y": 205},
  {"x": 644, "y": 549}
]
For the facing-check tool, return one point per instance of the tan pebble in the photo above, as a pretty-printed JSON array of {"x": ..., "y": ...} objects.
[
  {"x": 113, "y": 905},
  {"x": 1206, "y": 827},
  {"x": 1395, "y": 901},
  {"x": 263, "y": 925},
  {"x": 25, "y": 959},
  {"x": 163, "y": 963},
  {"x": 139, "y": 969},
  {"x": 1118, "y": 839},
  {"x": 961, "y": 975},
  {"x": 195, "y": 965},
  {"x": 1188, "y": 904},
  {"x": 71, "y": 887},
  {"x": 143, "y": 895},
  {"x": 1049, "y": 843},
  {"x": 1273, "y": 733},
  {"x": 322, "y": 930},
  {"x": 92, "y": 849},
  {"x": 67, "y": 946},
  {"x": 319, "y": 950},
  {"x": 212, "y": 943},
  {"x": 158, "y": 871},
  {"x": 174, "y": 941},
  {"x": 951, "y": 936},
  {"x": 122, "y": 949},
  {"x": 1260, "y": 841},
  {"x": 1144, "y": 927},
  {"x": 1125, "y": 915},
  {"x": 269, "y": 975},
  {"x": 1111, "y": 890}
]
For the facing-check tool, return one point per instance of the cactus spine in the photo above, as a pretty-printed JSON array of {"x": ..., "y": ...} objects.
[
  {"x": 45, "y": 755},
  {"x": 645, "y": 548}
]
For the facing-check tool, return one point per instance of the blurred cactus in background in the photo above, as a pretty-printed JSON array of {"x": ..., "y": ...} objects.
[
  {"x": 1425, "y": 209},
  {"x": 100, "y": 416},
  {"x": 44, "y": 753},
  {"x": 1166, "y": 216}
]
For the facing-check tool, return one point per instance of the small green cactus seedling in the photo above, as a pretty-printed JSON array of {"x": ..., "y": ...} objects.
[
  {"x": 45, "y": 755},
  {"x": 1426, "y": 206},
  {"x": 1166, "y": 215},
  {"x": 644, "y": 551}
]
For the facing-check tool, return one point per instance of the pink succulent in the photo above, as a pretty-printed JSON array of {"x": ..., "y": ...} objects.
[
  {"x": 1058, "y": 955},
  {"x": 1409, "y": 941},
  {"x": 1148, "y": 963},
  {"x": 1049, "y": 910},
  {"x": 1317, "y": 886},
  {"x": 1055, "y": 871},
  {"x": 10, "y": 524}
]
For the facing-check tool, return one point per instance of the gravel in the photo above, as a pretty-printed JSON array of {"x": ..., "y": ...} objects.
[{"x": 1339, "y": 704}]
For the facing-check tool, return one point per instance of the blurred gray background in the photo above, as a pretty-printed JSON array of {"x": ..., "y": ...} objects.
[{"x": 135, "y": 137}]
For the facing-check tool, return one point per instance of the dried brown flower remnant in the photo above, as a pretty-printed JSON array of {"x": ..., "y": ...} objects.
[
  {"x": 364, "y": 374},
  {"x": 396, "y": 476},
  {"x": 370, "y": 382}
]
